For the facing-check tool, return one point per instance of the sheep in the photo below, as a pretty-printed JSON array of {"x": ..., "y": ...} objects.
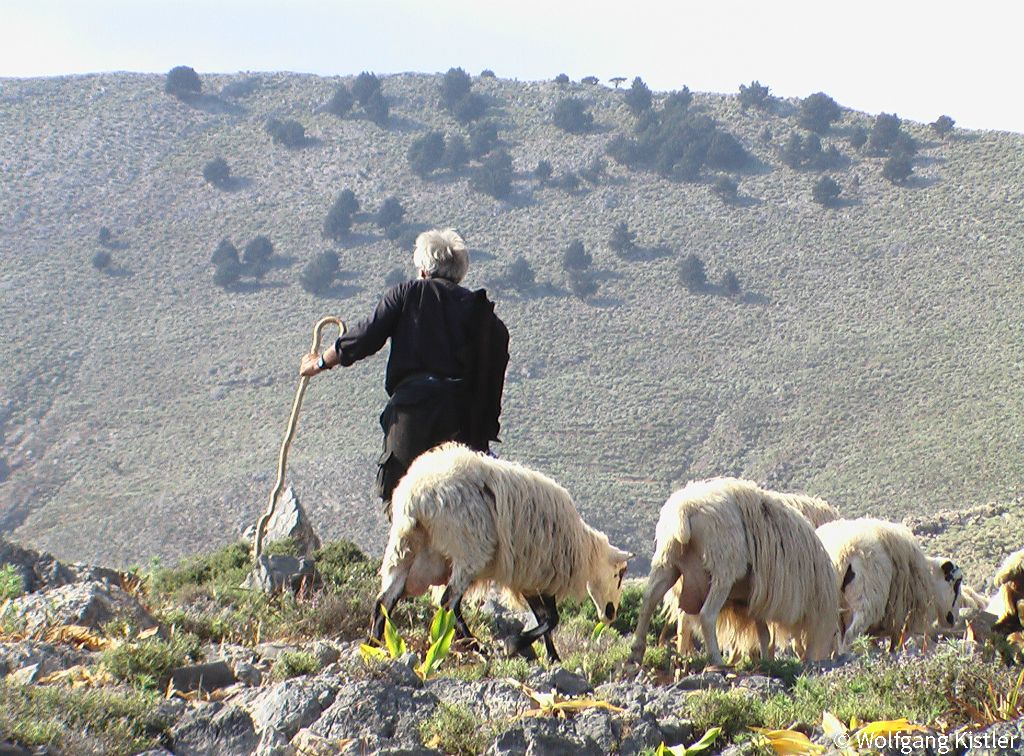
[
  {"x": 734, "y": 630},
  {"x": 460, "y": 518},
  {"x": 1006, "y": 604},
  {"x": 888, "y": 586},
  {"x": 735, "y": 545}
]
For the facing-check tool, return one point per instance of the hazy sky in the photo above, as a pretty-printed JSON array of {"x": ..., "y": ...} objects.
[{"x": 917, "y": 59}]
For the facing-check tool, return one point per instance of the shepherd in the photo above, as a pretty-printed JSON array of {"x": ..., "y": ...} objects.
[{"x": 446, "y": 369}]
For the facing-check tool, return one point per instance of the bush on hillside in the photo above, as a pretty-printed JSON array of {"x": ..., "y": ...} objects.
[
  {"x": 943, "y": 125},
  {"x": 101, "y": 260},
  {"x": 818, "y": 112},
  {"x": 341, "y": 102},
  {"x": 638, "y": 97},
  {"x": 621, "y": 241},
  {"x": 858, "y": 137},
  {"x": 347, "y": 202},
  {"x": 590, "y": 80},
  {"x": 679, "y": 100},
  {"x": 593, "y": 172},
  {"x": 217, "y": 172},
  {"x": 494, "y": 177},
  {"x": 227, "y": 273},
  {"x": 426, "y": 153},
  {"x": 562, "y": 79},
  {"x": 256, "y": 256},
  {"x": 319, "y": 273},
  {"x": 582, "y": 284},
  {"x": 105, "y": 236},
  {"x": 470, "y": 108},
  {"x": 571, "y": 115},
  {"x": 731, "y": 283},
  {"x": 377, "y": 109},
  {"x": 826, "y": 191},
  {"x": 754, "y": 96},
  {"x": 884, "y": 132},
  {"x": 543, "y": 171},
  {"x": 389, "y": 217},
  {"x": 456, "y": 153},
  {"x": 225, "y": 252},
  {"x": 519, "y": 275},
  {"x": 487, "y": 74},
  {"x": 568, "y": 182},
  {"x": 455, "y": 85},
  {"x": 483, "y": 138},
  {"x": 183, "y": 82},
  {"x": 338, "y": 222},
  {"x": 692, "y": 273},
  {"x": 365, "y": 86},
  {"x": 898, "y": 168},
  {"x": 805, "y": 153},
  {"x": 289, "y": 133},
  {"x": 726, "y": 189},
  {"x": 576, "y": 257}
]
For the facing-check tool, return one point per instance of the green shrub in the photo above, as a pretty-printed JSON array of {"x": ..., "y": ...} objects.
[
  {"x": 754, "y": 96},
  {"x": 562, "y": 79},
  {"x": 568, "y": 182},
  {"x": 594, "y": 170},
  {"x": 101, "y": 260},
  {"x": 389, "y": 216},
  {"x": 224, "y": 568},
  {"x": 858, "y": 137},
  {"x": 583, "y": 284},
  {"x": 224, "y": 253},
  {"x": 818, "y": 112},
  {"x": 543, "y": 171},
  {"x": 227, "y": 273},
  {"x": 256, "y": 255},
  {"x": 483, "y": 138},
  {"x": 731, "y": 283},
  {"x": 519, "y": 275},
  {"x": 426, "y": 153},
  {"x": 494, "y": 177},
  {"x": 692, "y": 273},
  {"x": 576, "y": 256},
  {"x": 826, "y": 191},
  {"x": 725, "y": 188},
  {"x": 11, "y": 584},
  {"x": 638, "y": 97},
  {"x": 455, "y": 729},
  {"x": 365, "y": 86},
  {"x": 217, "y": 172},
  {"x": 898, "y": 168},
  {"x": 319, "y": 273},
  {"x": 884, "y": 132},
  {"x": 590, "y": 80},
  {"x": 80, "y": 720},
  {"x": 456, "y": 153},
  {"x": 341, "y": 102},
  {"x": 943, "y": 125},
  {"x": 571, "y": 115},
  {"x": 105, "y": 236},
  {"x": 378, "y": 109},
  {"x": 734, "y": 711},
  {"x": 145, "y": 662},
  {"x": 289, "y": 133},
  {"x": 455, "y": 85},
  {"x": 183, "y": 82},
  {"x": 338, "y": 222},
  {"x": 487, "y": 74},
  {"x": 294, "y": 664},
  {"x": 622, "y": 241}
]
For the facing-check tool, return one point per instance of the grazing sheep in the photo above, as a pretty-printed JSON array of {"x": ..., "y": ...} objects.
[
  {"x": 734, "y": 630},
  {"x": 735, "y": 545},
  {"x": 1006, "y": 604},
  {"x": 461, "y": 518},
  {"x": 889, "y": 587}
]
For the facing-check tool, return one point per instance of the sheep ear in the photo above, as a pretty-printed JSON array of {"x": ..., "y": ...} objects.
[
  {"x": 618, "y": 555},
  {"x": 950, "y": 571}
]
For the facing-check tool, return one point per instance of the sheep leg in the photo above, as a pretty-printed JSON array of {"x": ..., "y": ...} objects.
[
  {"x": 662, "y": 577},
  {"x": 392, "y": 590},
  {"x": 452, "y": 601},
  {"x": 718, "y": 594},
  {"x": 546, "y": 612},
  {"x": 764, "y": 640}
]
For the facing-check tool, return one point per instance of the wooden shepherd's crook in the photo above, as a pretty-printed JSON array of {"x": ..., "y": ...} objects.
[{"x": 282, "y": 460}]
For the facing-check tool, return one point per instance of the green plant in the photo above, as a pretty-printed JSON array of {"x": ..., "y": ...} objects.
[
  {"x": 426, "y": 153},
  {"x": 100, "y": 261},
  {"x": 826, "y": 191},
  {"x": 289, "y": 133},
  {"x": 442, "y": 631},
  {"x": 571, "y": 115},
  {"x": 638, "y": 97},
  {"x": 621, "y": 240},
  {"x": 756, "y": 95},
  {"x": 183, "y": 82},
  {"x": 455, "y": 729},
  {"x": 341, "y": 102},
  {"x": 377, "y": 109},
  {"x": 217, "y": 172},
  {"x": 942, "y": 125},
  {"x": 818, "y": 112},
  {"x": 294, "y": 664},
  {"x": 144, "y": 662},
  {"x": 730, "y": 711},
  {"x": 11, "y": 584},
  {"x": 319, "y": 273},
  {"x": 365, "y": 86},
  {"x": 494, "y": 177}
]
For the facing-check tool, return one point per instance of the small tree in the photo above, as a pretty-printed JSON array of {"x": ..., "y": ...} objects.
[
  {"x": 725, "y": 188},
  {"x": 227, "y": 273},
  {"x": 470, "y": 108},
  {"x": 679, "y": 101},
  {"x": 224, "y": 253},
  {"x": 571, "y": 115},
  {"x": 487, "y": 74},
  {"x": 289, "y": 133},
  {"x": 692, "y": 273},
  {"x": 365, "y": 86},
  {"x": 594, "y": 170},
  {"x": 576, "y": 256},
  {"x": 943, "y": 125},
  {"x": 389, "y": 217},
  {"x": 519, "y": 275},
  {"x": 456, "y": 153},
  {"x": 425, "y": 153},
  {"x": 543, "y": 171},
  {"x": 562, "y": 79},
  {"x": 483, "y": 137},
  {"x": 638, "y": 96},
  {"x": 858, "y": 137},
  {"x": 826, "y": 191},
  {"x": 495, "y": 175},
  {"x": 338, "y": 222},
  {"x": 818, "y": 112},
  {"x": 754, "y": 96},
  {"x": 377, "y": 109},
  {"x": 101, "y": 260},
  {"x": 884, "y": 133},
  {"x": 104, "y": 236},
  {"x": 568, "y": 182},
  {"x": 591, "y": 80},
  {"x": 256, "y": 256},
  {"x": 617, "y": 80},
  {"x": 217, "y": 172},
  {"x": 898, "y": 168},
  {"x": 183, "y": 82},
  {"x": 582, "y": 284},
  {"x": 622, "y": 240},
  {"x": 731, "y": 283},
  {"x": 455, "y": 85},
  {"x": 341, "y": 102},
  {"x": 319, "y": 273}
]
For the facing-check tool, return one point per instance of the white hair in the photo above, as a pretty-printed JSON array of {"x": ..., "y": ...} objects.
[{"x": 441, "y": 254}]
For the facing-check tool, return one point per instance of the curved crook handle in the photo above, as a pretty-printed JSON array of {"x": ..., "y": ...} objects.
[{"x": 282, "y": 460}]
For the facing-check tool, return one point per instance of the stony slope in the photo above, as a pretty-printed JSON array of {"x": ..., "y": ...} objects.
[{"x": 875, "y": 359}]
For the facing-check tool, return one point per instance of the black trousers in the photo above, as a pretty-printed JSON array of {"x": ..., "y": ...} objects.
[{"x": 423, "y": 412}]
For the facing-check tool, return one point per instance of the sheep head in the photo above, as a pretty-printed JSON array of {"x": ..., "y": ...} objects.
[
  {"x": 947, "y": 580},
  {"x": 605, "y": 583}
]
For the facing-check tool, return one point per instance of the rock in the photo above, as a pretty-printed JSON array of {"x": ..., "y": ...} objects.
[
  {"x": 214, "y": 728},
  {"x": 378, "y": 713},
  {"x": 675, "y": 731},
  {"x": 209, "y": 676},
  {"x": 36, "y": 570},
  {"x": 289, "y": 706},
  {"x": 324, "y": 652},
  {"x": 1002, "y": 738},
  {"x": 276, "y": 572},
  {"x": 542, "y": 737},
  {"x": 47, "y": 657},
  {"x": 8, "y": 748},
  {"x": 272, "y": 651},
  {"x": 703, "y": 681},
  {"x": 600, "y": 726},
  {"x": 561, "y": 680},
  {"x": 640, "y": 736},
  {"x": 308, "y": 744},
  {"x": 91, "y": 604},
  {"x": 247, "y": 674},
  {"x": 26, "y": 675},
  {"x": 290, "y": 521},
  {"x": 487, "y": 699},
  {"x": 761, "y": 686}
]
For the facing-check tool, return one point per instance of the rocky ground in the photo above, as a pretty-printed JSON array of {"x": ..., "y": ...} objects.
[{"x": 232, "y": 698}]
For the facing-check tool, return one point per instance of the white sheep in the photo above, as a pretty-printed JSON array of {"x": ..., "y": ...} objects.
[
  {"x": 461, "y": 518},
  {"x": 888, "y": 586},
  {"x": 734, "y": 630},
  {"x": 739, "y": 547}
]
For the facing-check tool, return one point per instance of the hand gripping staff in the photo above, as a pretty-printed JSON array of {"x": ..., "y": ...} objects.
[{"x": 282, "y": 460}]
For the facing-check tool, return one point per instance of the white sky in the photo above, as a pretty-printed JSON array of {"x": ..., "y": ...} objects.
[{"x": 917, "y": 59}]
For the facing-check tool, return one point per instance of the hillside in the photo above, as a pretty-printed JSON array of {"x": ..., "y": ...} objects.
[{"x": 874, "y": 357}]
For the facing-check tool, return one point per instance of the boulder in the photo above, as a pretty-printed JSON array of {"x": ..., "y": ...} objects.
[
  {"x": 292, "y": 705},
  {"x": 288, "y": 521},
  {"x": 276, "y": 572},
  {"x": 91, "y": 604},
  {"x": 378, "y": 714},
  {"x": 214, "y": 728}
]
